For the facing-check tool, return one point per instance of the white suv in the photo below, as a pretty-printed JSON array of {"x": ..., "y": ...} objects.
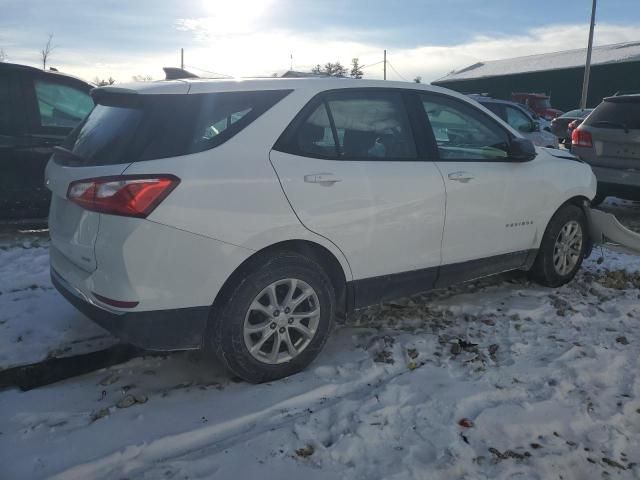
[{"x": 243, "y": 216}]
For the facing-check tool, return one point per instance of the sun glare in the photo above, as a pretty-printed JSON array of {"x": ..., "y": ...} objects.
[{"x": 238, "y": 16}]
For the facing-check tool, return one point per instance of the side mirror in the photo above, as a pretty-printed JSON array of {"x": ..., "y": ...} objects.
[
  {"x": 521, "y": 150},
  {"x": 536, "y": 127}
]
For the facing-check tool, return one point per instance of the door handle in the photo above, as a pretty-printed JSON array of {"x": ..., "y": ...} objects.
[
  {"x": 322, "y": 178},
  {"x": 462, "y": 177}
]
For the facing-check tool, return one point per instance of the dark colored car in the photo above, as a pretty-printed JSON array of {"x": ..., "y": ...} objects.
[
  {"x": 38, "y": 109},
  {"x": 560, "y": 125},
  {"x": 520, "y": 118},
  {"x": 538, "y": 102},
  {"x": 609, "y": 140}
]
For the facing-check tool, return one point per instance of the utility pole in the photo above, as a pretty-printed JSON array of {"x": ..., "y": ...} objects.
[
  {"x": 182, "y": 58},
  {"x": 385, "y": 62},
  {"x": 587, "y": 67}
]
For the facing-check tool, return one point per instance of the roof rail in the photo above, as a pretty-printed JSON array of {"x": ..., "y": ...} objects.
[{"x": 174, "y": 73}]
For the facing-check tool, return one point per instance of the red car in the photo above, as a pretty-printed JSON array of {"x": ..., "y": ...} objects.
[{"x": 539, "y": 103}]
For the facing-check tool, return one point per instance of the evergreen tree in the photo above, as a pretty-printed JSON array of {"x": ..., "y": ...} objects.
[{"x": 356, "y": 69}]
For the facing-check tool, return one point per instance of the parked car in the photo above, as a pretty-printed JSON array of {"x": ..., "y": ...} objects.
[
  {"x": 560, "y": 125},
  {"x": 609, "y": 141},
  {"x": 539, "y": 103},
  {"x": 519, "y": 118},
  {"x": 38, "y": 109},
  {"x": 243, "y": 217}
]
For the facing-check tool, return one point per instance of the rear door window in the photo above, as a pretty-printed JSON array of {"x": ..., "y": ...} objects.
[
  {"x": 126, "y": 128},
  {"x": 371, "y": 125},
  {"x": 355, "y": 125},
  {"x": 12, "y": 105},
  {"x": 5, "y": 101},
  {"x": 61, "y": 105},
  {"x": 315, "y": 136}
]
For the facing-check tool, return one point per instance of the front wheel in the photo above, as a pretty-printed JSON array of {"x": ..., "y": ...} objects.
[
  {"x": 562, "y": 248},
  {"x": 276, "y": 319}
]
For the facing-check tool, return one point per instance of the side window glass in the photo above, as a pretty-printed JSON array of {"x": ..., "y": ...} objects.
[
  {"x": 518, "y": 120},
  {"x": 60, "y": 105},
  {"x": 215, "y": 129},
  {"x": 5, "y": 97},
  {"x": 463, "y": 133},
  {"x": 495, "y": 108},
  {"x": 315, "y": 136},
  {"x": 371, "y": 126}
]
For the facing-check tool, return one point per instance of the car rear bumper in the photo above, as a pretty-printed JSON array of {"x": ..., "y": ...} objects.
[
  {"x": 177, "y": 329},
  {"x": 605, "y": 229}
]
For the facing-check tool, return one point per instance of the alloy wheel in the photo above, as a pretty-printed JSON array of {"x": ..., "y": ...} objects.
[
  {"x": 281, "y": 321},
  {"x": 568, "y": 247}
]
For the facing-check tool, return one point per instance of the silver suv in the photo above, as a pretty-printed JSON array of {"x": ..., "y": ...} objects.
[{"x": 609, "y": 141}]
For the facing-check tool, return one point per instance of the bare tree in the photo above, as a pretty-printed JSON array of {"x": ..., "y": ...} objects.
[
  {"x": 142, "y": 78},
  {"x": 330, "y": 69},
  {"x": 335, "y": 69},
  {"x": 46, "y": 51},
  {"x": 3, "y": 55}
]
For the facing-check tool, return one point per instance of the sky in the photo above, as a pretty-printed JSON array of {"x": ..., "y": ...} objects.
[{"x": 425, "y": 38}]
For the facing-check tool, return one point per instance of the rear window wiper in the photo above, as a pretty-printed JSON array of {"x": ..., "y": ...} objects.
[
  {"x": 612, "y": 124},
  {"x": 69, "y": 154}
]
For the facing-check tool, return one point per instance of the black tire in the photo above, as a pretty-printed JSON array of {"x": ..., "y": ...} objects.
[
  {"x": 225, "y": 335},
  {"x": 543, "y": 270}
]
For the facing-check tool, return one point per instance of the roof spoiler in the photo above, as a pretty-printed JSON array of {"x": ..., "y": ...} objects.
[{"x": 174, "y": 73}]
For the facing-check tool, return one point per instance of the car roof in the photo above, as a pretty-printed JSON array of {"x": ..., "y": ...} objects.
[
  {"x": 484, "y": 99},
  {"x": 572, "y": 113},
  {"x": 635, "y": 98},
  {"x": 205, "y": 85},
  {"x": 34, "y": 70}
]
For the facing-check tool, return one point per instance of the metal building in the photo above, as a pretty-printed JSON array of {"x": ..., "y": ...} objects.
[{"x": 613, "y": 68}]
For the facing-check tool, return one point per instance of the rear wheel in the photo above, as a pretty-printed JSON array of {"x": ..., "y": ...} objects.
[
  {"x": 562, "y": 248},
  {"x": 275, "y": 321}
]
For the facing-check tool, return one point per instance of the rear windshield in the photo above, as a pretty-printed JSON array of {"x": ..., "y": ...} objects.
[
  {"x": 129, "y": 128},
  {"x": 616, "y": 114}
]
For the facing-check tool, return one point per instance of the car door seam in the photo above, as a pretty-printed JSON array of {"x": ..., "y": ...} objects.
[{"x": 300, "y": 220}]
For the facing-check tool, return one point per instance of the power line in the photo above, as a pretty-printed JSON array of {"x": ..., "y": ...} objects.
[
  {"x": 223, "y": 75},
  {"x": 393, "y": 68},
  {"x": 373, "y": 64}
]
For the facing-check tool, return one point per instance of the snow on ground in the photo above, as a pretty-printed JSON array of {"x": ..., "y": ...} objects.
[
  {"x": 544, "y": 381},
  {"x": 35, "y": 321}
]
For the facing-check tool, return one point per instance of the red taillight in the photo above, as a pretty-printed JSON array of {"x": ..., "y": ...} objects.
[
  {"x": 127, "y": 195},
  {"x": 115, "y": 303},
  {"x": 581, "y": 138}
]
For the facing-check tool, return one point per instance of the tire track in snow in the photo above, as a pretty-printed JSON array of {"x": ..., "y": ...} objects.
[{"x": 141, "y": 457}]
